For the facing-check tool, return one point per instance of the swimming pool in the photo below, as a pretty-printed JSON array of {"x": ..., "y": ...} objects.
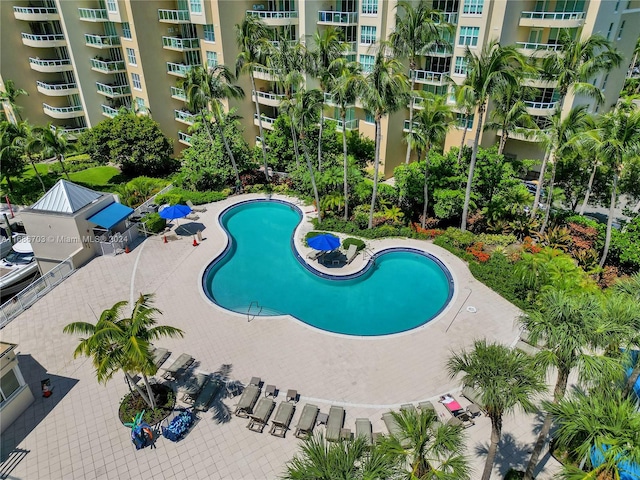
[{"x": 260, "y": 273}]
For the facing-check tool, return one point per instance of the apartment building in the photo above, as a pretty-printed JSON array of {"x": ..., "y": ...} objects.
[{"x": 82, "y": 60}]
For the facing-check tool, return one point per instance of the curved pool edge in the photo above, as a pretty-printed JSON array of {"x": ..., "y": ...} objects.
[{"x": 452, "y": 295}]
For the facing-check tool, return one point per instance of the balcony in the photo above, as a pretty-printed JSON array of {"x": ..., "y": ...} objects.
[
  {"x": 108, "y": 111},
  {"x": 180, "y": 44},
  {"x": 109, "y": 66},
  {"x": 541, "y": 109},
  {"x": 50, "y": 66},
  {"x": 264, "y": 73},
  {"x": 184, "y": 138},
  {"x": 36, "y": 14},
  {"x": 350, "y": 48},
  {"x": 552, "y": 19},
  {"x": 63, "y": 112},
  {"x": 275, "y": 18},
  {"x": 533, "y": 80},
  {"x": 268, "y": 98},
  {"x": 537, "y": 49},
  {"x": 267, "y": 122},
  {"x": 450, "y": 17},
  {"x": 101, "y": 41},
  {"x": 427, "y": 77},
  {"x": 529, "y": 136},
  {"x": 351, "y": 124},
  {"x": 93, "y": 14},
  {"x": 174, "y": 16},
  {"x": 405, "y": 128},
  {"x": 182, "y": 116},
  {"x": 71, "y": 132},
  {"x": 43, "y": 41},
  {"x": 178, "y": 94},
  {"x": 113, "y": 91},
  {"x": 57, "y": 89},
  {"x": 329, "y": 99},
  {"x": 179, "y": 69},
  {"x": 326, "y": 17}
]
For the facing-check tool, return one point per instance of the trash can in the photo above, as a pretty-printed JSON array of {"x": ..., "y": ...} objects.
[{"x": 199, "y": 235}]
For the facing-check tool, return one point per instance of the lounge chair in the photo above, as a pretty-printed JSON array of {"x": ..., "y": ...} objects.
[
  {"x": 408, "y": 407},
  {"x": 472, "y": 395},
  {"x": 178, "y": 367},
  {"x": 364, "y": 430},
  {"x": 352, "y": 252},
  {"x": 394, "y": 429},
  {"x": 193, "y": 387},
  {"x": 247, "y": 401},
  {"x": 282, "y": 420},
  {"x": 314, "y": 255},
  {"x": 463, "y": 420},
  {"x": 307, "y": 420},
  {"x": 451, "y": 404},
  {"x": 261, "y": 415},
  {"x": 526, "y": 348},
  {"x": 160, "y": 356},
  {"x": 335, "y": 423},
  {"x": 193, "y": 217},
  {"x": 208, "y": 392},
  {"x": 474, "y": 410},
  {"x": 426, "y": 406},
  {"x": 194, "y": 208}
]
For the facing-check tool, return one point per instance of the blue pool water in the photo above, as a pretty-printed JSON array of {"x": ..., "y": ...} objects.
[{"x": 260, "y": 275}]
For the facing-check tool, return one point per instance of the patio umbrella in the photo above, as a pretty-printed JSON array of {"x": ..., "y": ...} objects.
[
  {"x": 324, "y": 242},
  {"x": 174, "y": 212}
]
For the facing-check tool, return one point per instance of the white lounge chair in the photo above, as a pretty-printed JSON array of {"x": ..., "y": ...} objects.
[
  {"x": 194, "y": 208},
  {"x": 352, "y": 252}
]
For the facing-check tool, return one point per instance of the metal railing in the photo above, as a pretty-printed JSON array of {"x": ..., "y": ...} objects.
[
  {"x": 350, "y": 48},
  {"x": 101, "y": 40},
  {"x": 269, "y": 96},
  {"x": 539, "y": 46},
  {"x": 329, "y": 16},
  {"x": 67, "y": 130},
  {"x": 540, "y": 105},
  {"x": 43, "y": 38},
  {"x": 57, "y": 86},
  {"x": 187, "y": 117},
  {"x": 427, "y": 76},
  {"x": 450, "y": 17},
  {"x": 178, "y": 93},
  {"x": 265, "y": 119},
  {"x": 416, "y": 126},
  {"x": 180, "y": 43},
  {"x": 49, "y": 63},
  {"x": 351, "y": 124},
  {"x": 267, "y": 71},
  {"x": 179, "y": 68},
  {"x": 272, "y": 14},
  {"x": 109, "y": 111},
  {"x": 109, "y": 66},
  {"x": 113, "y": 90},
  {"x": 39, "y": 288},
  {"x": 117, "y": 242},
  {"x": 184, "y": 137},
  {"x": 76, "y": 108},
  {"x": 143, "y": 209},
  {"x": 174, "y": 15},
  {"x": 93, "y": 14},
  {"x": 36, "y": 10},
  {"x": 553, "y": 15}
]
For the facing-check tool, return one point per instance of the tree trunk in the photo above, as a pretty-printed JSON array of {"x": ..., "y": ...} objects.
[
  {"x": 152, "y": 399},
  {"x": 549, "y": 199},
  {"x": 543, "y": 167},
  {"x": 33, "y": 164},
  {"x": 229, "y": 152},
  {"x": 589, "y": 185},
  {"x": 64, "y": 170},
  {"x": 376, "y": 164},
  {"x": 313, "y": 178},
  {"x": 294, "y": 138},
  {"x": 464, "y": 135},
  {"x": 503, "y": 141},
  {"x": 633, "y": 378},
  {"x": 472, "y": 166},
  {"x": 262, "y": 139},
  {"x": 496, "y": 433},
  {"x": 320, "y": 143},
  {"x": 346, "y": 166},
  {"x": 137, "y": 387},
  {"x": 612, "y": 206},
  {"x": 413, "y": 84},
  {"x": 426, "y": 186}
]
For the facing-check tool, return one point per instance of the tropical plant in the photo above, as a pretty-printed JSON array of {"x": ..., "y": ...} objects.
[
  {"x": 10, "y": 94},
  {"x": 384, "y": 92},
  {"x": 466, "y": 105},
  {"x": 505, "y": 379},
  {"x": 56, "y": 143},
  {"x": 10, "y": 157},
  {"x": 28, "y": 140}
]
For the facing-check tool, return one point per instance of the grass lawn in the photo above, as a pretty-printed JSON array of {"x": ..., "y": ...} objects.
[{"x": 95, "y": 175}]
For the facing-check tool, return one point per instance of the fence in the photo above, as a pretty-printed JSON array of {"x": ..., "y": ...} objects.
[
  {"x": 118, "y": 242},
  {"x": 144, "y": 208},
  {"x": 30, "y": 295}
]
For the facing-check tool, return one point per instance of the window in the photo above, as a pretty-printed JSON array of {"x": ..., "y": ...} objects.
[
  {"x": 212, "y": 59},
  {"x": 370, "y": 7},
  {"x": 604, "y": 82},
  {"x": 617, "y": 6},
  {"x": 112, "y": 5},
  {"x": 460, "y": 67},
  {"x": 131, "y": 56},
  {"x": 137, "y": 84},
  {"x": 472, "y": 7},
  {"x": 621, "y": 29},
  {"x": 140, "y": 106},
  {"x": 369, "y": 118},
  {"x": 9, "y": 383},
  {"x": 126, "y": 30},
  {"x": 195, "y": 6},
  {"x": 469, "y": 36},
  {"x": 462, "y": 120},
  {"x": 209, "y": 34},
  {"x": 366, "y": 62},
  {"x": 367, "y": 35},
  {"x": 609, "y": 32}
]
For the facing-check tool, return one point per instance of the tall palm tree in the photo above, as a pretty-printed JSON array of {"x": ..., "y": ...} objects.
[
  {"x": 418, "y": 29},
  {"x": 10, "y": 157},
  {"x": 346, "y": 83},
  {"x": 56, "y": 143},
  {"x": 28, "y": 140},
  {"x": 615, "y": 139},
  {"x": 505, "y": 379},
  {"x": 494, "y": 66},
  {"x": 432, "y": 126},
  {"x": 428, "y": 448},
  {"x": 384, "y": 92},
  {"x": 123, "y": 343},
  {"x": 465, "y": 103},
  {"x": 572, "y": 66},
  {"x": 251, "y": 37},
  {"x": 10, "y": 94}
]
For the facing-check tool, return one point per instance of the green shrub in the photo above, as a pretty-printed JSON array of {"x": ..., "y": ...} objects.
[
  {"x": 496, "y": 240},
  {"x": 498, "y": 273},
  {"x": 311, "y": 235},
  {"x": 447, "y": 243},
  {"x": 514, "y": 475},
  {"x": 73, "y": 164},
  {"x": 179, "y": 195},
  {"x": 154, "y": 222},
  {"x": 459, "y": 238},
  {"x": 582, "y": 220},
  {"x": 353, "y": 241}
]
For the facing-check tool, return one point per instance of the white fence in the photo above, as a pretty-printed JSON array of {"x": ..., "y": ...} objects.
[
  {"x": 118, "y": 242},
  {"x": 143, "y": 209}
]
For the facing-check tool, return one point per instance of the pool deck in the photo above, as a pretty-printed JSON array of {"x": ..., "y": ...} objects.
[{"x": 76, "y": 433}]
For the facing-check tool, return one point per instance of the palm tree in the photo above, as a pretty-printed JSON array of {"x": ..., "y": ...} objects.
[
  {"x": 428, "y": 448},
  {"x": 251, "y": 37},
  {"x": 465, "y": 102},
  {"x": 28, "y": 140},
  {"x": 384, "y": 92},
  {"x": 10, "y": 158},
  {"x": 564, "y": 326},
  {"x": 56, "y": 143},
  {"x": 117, "y": 343},
  {"x": 496, "y": 65},
  {"x": 505, "y": 379},
  {"x": 9, "y": 95},
  {"x": 418, "y": 30},
  {"x": 432, "y": 126},
  {"x": 627, "y": 292},
  {"x": 572, "y": 66},
  {"x": 346, "y": 82}
]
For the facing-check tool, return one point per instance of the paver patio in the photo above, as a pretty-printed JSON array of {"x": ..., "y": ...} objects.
[{"x": 76, "y": 432}]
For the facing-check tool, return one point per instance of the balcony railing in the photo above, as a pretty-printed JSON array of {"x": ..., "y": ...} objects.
[
  {"x": 271, "y": 72},
  {"x": 326, "y": 16},
  {"x": 179, "y": 69},
  {"x": 416, "y": 126},
  {"x": 109, "y": 111},
  {"x": 36, "y": 10},
  {"x": 174, "y": 16},
  {"x": 539, "y": 46},
  {"x": 450, "y": 17},
  {"x": 269, "y": 96},
  {"x": 266, "y": 14},
  {"x": 49, "y": 63},
  {"x": 57, "y": 87},
  {"x": 113, "y": 90},
  {"x": 180, "y": 43},
  {"x": 77, "y": 108},
  {"x": 184, "y": 138},
  {"x": 427, "y": 76},
  {"x": 186, "y": 117},
  {"x": 101, "y": 40},
  {"x": 351, "y": 124},
  {"x": 540, "y": 105},
  {"x": 43, "y": 38},
  {"x": 110, "y": 66},
  {"x": 350, "y": 48},
  {"x": 72, "y": 132},
  {"x": 265, "y": 119},
  {"x": 93, "y": 14},
  {"x": 553, "y": 15},
  {"x": 178, "y": 93}
]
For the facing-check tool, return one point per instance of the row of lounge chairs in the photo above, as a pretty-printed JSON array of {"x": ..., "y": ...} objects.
[{"x": 334, "y": 256}]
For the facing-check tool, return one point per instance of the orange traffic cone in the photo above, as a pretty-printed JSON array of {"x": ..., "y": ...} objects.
[
  {"x": 165, "y": 239},
  {"x": 195, "y": 242},
  {"x": 126, "y": 249}
]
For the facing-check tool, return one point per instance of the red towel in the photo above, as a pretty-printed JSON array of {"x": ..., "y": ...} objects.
[{"x": 453, "y": 406}]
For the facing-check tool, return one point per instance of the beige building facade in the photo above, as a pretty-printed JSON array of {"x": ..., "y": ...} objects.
[
  {"x": 15, "y": 394},
  {"x": 82, "y": 60}
]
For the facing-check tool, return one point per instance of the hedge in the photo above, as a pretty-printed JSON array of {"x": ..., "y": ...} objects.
[
  {"x": 353, "y": 241},
  {"x": 154, "y": 222},
  {"x": 383, "y": 231},
  {"x": 179, "y": 195}
]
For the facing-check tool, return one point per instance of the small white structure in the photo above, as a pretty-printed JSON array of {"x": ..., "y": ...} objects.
[
  {"x": 15, "y": 394},
  {"x": 70, "y": 221}
]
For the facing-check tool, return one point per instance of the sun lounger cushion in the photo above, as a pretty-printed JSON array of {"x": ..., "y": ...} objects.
[
  {"x": 426, "y": 406},
  {"x": 181, "y": 363},
  {"x": 247, "y": 401},
  {"x": 208, "y": 392},
  {"x": 194, "y": 386},
  {"x": 282, "y": 419},
  {"x": 261, "y": 415},
  {"x": 307, "y": 420},
  {"x": 472, "y": 395},
  {"x": 351, "y": 253},
  {"x": 335, "y": 423},
  {"x": 394, "y": 429},
  {"x": 364, "y": 430},
  {"x": 160, "y": 356}
]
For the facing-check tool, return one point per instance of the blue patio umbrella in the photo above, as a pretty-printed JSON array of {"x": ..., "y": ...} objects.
[
  {"x": 175, "y": 211},
  {"x": 324, "y": 242}
]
